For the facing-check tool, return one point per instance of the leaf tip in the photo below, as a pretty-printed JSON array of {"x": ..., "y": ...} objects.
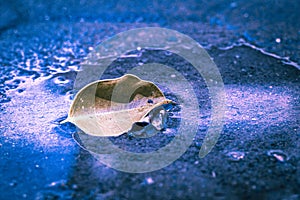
[{"x": 171, "y": 102}]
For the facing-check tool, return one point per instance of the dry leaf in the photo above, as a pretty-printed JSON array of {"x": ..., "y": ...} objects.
[{"x": 110, "y": 107}]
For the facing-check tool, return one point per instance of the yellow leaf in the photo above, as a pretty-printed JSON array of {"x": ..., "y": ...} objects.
[{"x": 110, "y": 107}]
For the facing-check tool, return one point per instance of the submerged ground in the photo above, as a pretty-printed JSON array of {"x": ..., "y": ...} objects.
[{"x": 256, "y": 48}]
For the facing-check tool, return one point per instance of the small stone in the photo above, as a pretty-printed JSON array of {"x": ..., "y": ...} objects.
[
  {"x": 213, "y": 174},
  {"x": 236, "y": 155},
  {"x": 278, "y": 154}
]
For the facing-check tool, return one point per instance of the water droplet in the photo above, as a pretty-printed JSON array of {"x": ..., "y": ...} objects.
[
  {"x": 149, "y": 181},
  {"x": 13, "y": 183},
  {"x": 235, "y": 155},
  {"x": 74, "y": 187},
  {"x": 278, "y": 154},
  {"x": 213, "y": 174},
  {"x": 60, "y": 184}
]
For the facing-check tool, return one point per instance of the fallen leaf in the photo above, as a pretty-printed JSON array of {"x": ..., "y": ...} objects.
[{"x": 111, "y": 107}]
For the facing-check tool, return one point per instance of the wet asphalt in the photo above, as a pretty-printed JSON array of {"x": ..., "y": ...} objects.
[{"x": 256, "y": 48}]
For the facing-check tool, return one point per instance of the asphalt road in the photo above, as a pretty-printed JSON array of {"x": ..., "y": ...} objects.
[{"x": 256, "y": 48}]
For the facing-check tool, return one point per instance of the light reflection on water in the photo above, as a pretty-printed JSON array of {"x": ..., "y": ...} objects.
[
  {"x": 33, "y": 112},
  {"x": 259, "y": 104}
]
